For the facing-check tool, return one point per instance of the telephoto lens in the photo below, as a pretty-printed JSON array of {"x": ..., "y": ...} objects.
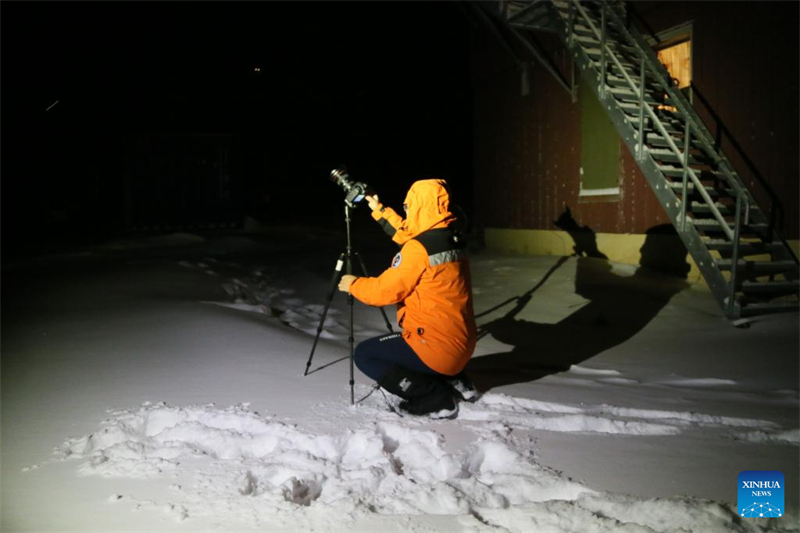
[
  {"x": 340, "y": 177},
  {"x": 354, "y": 191}
]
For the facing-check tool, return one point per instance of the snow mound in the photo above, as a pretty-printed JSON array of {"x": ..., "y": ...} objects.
[
  {"x": 530, "y": 414},
  {"x": 246, "y": 466},
  {"x": 699, "y": 382},
  {"x": 791, "y": 436},
  {"x": 384, "y": 468}
]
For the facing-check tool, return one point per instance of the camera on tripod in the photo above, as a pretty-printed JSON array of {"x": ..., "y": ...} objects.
[{"x": 355, "y": 190}]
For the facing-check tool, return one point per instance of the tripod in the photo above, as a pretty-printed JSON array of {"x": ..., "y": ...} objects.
[{"x": 346, "y": 261}]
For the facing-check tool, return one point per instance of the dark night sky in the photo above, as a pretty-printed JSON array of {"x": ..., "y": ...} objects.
[{"x": 382, "y": 87}]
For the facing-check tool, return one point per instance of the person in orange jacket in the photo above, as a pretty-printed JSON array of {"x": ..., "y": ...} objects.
[{"x": 429, "y": 280}]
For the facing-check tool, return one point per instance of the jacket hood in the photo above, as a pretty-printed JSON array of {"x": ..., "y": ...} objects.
[{"x": 427, "y": 206}]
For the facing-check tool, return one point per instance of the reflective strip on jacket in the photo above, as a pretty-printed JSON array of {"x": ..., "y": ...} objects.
[{"x": 429, "y": 280}]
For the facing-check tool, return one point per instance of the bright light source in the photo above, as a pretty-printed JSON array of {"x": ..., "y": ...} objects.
[{"x": 256, "y": 69}]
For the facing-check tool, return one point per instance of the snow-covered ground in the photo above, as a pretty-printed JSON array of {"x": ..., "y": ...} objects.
[{"x": 157, "y": 385}]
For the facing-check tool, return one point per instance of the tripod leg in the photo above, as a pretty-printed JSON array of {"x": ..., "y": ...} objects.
[
  {"x": 334, "y": 282},
  {"x": 352, "y": 339},
  {"x": 352, "y": 353},
  {"x": 364, "y": 270}
]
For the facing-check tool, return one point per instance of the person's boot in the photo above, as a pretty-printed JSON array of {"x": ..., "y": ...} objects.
[
  {"x": 422, "y": 394},
  {"x": 464, "y": 387}
]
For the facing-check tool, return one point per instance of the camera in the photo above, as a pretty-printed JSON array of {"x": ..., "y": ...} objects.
[{"x": 355, "y": 190}]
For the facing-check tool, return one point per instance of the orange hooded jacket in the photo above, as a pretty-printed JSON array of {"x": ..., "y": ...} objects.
[{"x": 429, "y": 279}]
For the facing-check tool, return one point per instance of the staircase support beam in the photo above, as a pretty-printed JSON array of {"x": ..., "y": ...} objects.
[
  {"x": 603, "y": 51},
  {"x": 541, "y": 56},
  {"x": 640, "y": 144},
  {"x": 573, "y": 85},
  {"x": 684, "y": 197},
  {"x": 731, "y": 300},
  {"x": 493, "y": 29},
  {"x": 571, "y": 38}
]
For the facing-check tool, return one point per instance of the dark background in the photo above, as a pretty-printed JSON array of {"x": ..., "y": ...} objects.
[{"x": 381, "y": 87}]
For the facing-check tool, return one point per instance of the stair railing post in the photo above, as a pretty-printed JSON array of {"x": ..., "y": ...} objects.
[
  {"x": 602, "y": 50},
  {"x": 640, "y": 146},
  {"x": 573, "y": 85},
  {"x": 570, "y": 44},
  {"x": 684, "y": 198},
  {"x": 571, "y": 37},
  {"x": 747, "y": 212},
  {"x": 735, "y": 257}
]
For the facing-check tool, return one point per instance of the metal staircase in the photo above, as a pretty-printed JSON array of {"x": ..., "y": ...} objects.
[{"x": 749, "y": 268}]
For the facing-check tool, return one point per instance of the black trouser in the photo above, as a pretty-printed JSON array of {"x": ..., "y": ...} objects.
[
  {"x": 391, "y": 362},
  {"x": 378, "y": 356}
]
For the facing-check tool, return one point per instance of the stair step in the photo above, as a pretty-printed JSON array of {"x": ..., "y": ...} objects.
[
  {"x": 627, "y": 96},
  {"x": 593, "y": 10},
  {"x": 659, "y": 141},
  {"x": 745, "y": 248},
  {"x": 758, "y": 298},
  {"x": 626, "y": 64},
  {"x": 758, "y": 267},
  {"x": 668, "y": 156},
  {"x": 725, "y": 248},
  {"x": 612, "y": 35},
  {"x": 711, "y": 225},
  {"x": 674, "y": 172},
  {"x": 522, "y": 14},
  {"x": 648, "y": 126},
  {"x": 619, "y": 82},
  {"x": 771, "y": 287},
  {"x": 704, "y": 209},
  {"x": 712, "y": 192},
  {"x": 701, "y": 208},
  {"x": 651, "y": 87},
  {"x": 589, "y": 41},
  {"x": 625, "y": 58},
  {"x": 630, "y": 106},
  {"x": 763, "y": 309},
  {"x": 631, "y": 109},
  {"x": 536, "y": 21},
  {"x": 666, "y": 113}
]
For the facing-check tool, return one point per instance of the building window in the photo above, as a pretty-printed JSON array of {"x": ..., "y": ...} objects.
[{"x": 600, "y": 150}]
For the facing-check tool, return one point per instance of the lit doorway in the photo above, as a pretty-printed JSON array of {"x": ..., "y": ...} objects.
[{"x": 674, "y": 50}]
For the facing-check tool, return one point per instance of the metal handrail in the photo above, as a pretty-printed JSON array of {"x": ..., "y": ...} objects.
[
  {"x": 652, "y": 115},
  {"x": 777, "y": 211},
  {"x": 640, "y": 140}
]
